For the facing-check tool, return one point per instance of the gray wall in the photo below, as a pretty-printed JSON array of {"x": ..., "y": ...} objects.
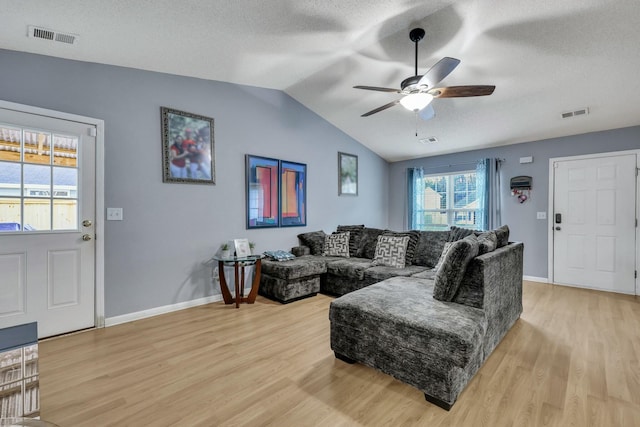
[
  {"x": 521, "y": 218},
  {"x": 155, "y": 256}
]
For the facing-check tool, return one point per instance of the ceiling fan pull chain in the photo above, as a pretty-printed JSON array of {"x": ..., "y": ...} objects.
[{"x": 416, "y": 124}]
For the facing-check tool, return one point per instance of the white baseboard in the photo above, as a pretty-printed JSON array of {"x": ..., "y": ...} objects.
[
  {"x": 536, "y": 279},
  {"x": 130, "y": 317}
]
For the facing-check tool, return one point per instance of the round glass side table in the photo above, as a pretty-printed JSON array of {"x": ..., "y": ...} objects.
[{"x": 239, "y": 264}]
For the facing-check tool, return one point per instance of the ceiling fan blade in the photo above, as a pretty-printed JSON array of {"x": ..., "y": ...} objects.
[
  {"x": 438, "y": 72},
  {"x": 379, "y": 89},
  {"x": 384, "y": 107},
  {"x": 427, "y": 113},
  {"x": 462, "y": 91}
]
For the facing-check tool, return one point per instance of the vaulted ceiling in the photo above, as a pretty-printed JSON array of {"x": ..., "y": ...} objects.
[{"x": 545, "y": 57}]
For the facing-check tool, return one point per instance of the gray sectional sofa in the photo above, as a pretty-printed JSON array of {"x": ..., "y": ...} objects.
[{"x": 431, "y": 323}]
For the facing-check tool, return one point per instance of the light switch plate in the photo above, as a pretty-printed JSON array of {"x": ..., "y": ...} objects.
[
  {"x": 541, "y": 215},
  {"x": 114, "y": 214}
]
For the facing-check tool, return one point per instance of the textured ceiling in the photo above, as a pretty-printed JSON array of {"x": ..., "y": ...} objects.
[{"x": 545, "y": 57}]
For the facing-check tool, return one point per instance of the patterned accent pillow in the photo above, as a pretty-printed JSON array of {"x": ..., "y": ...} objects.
[
  {"x": 445, "y": 249},
  {"x": 354, "y": 236},
  {"x": 487, "y": 241},
  {"x": 449, "y": 276},
  {"x": 414, "y": 236},
  {"x": 391, "y": 251},
  {"x": 279, "y": 255},
  {"x": 502, "y": 234},
  {"x": 314, "y": 240},
  {"x": 336, "y": 244}
]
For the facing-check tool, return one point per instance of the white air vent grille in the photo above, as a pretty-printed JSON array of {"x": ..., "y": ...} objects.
[
  {"x": 429, "y": 140},
  {"x": 65, "y": 38},
  {"x": 580, "y": 112},
  {"x": 56, "y": 36},
  {"x": 41, "y": 33}
]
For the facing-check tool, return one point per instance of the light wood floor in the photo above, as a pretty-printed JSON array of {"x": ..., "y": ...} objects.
[{"x": 573, "y": 359}]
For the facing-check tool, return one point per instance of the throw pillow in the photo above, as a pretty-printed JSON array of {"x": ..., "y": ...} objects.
[
  {"x": 445, "y": 249},
  {"x": 458, "y": 233},
  {"x": 487, "y": 242},
  {"x": 449, "y": 275},
  {"x": 391, "y": 251},
  {"x": 368, "y": 242},
  {"x": 429, "y": 247},
  {"x": 314, "y": 240},
  {"x": 414, "y": 236},
  {"x": 354, "y": 236},
  {"x": 336, "y": 245},
  {"x": 502, "y": 234}
]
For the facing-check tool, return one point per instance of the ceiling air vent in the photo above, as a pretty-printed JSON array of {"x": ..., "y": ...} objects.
[
  {"x": 429, "y": 140},
  {"x": 56, "y": 36},
  {"x": 576, "y": 113}
]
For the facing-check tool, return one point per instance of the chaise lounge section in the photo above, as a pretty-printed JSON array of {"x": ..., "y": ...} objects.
[{"x": 399, "y": 328}]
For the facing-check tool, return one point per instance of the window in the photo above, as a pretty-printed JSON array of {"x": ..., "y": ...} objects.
[
  {"x": 38, "y": 180},
  {"x": 449, "y": 200}
]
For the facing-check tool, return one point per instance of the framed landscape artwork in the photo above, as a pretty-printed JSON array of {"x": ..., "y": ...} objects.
[
  {"x": 187, "y": 147},
  {"x": 262, "y": 192},
  {"x": 347, "y": 174},
  {"x": 293, "y": 200}
]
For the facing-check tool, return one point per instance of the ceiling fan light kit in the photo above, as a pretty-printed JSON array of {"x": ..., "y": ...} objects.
[
  {"x": 420, "y": 90},
  {"x": 416, "y": 101}
]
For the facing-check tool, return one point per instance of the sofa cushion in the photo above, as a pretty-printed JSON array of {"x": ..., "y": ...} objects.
[
  {"x": 304, "y": 266},
  {"x": 379, "y": 273},
  {"x": 391, "y": 251},
  {"x": 449, "y": 276},
  {"x": 355, "y": 231},
  {"x": 429, "y": 247},
  {"x": 352, "y": 268},
  {"x": 487, "y": 242},
  {"x": 426, "y": 274},
  {"x": 458, "y": 233},
  {"x": 502, "y": 234},
  {"x": 368, "y": 242},
  {"x": 414, "y": 236},
  {"x": 336, "y": 244},
  {"x": 398, "y": 313},
  {"x": 314, "y": 240}
]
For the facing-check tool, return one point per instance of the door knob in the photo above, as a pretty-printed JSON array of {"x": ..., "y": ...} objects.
[
  {"x": 86, "y": 237},
  {"x": 87, "y": 223},
  {"x": 558, "y": 228}
]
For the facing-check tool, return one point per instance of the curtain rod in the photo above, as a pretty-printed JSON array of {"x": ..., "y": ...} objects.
[{"x": 473, "y": 162}]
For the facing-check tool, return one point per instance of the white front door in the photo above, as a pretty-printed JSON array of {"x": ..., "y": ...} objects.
[
  {"x": 594, "y": 214},
  {"x": 47, "y": 222}
]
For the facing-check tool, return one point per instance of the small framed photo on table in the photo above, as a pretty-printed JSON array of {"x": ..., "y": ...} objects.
[{"x": 242, "y": 247}]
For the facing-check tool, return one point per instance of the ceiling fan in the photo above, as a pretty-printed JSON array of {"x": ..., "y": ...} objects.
[{"x": 419, "y": 91}]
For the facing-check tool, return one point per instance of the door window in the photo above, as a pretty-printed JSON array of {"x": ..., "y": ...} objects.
[{"x": 38, "y": 180}]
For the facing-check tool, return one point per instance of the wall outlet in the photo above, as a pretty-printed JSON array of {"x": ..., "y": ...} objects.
[
  {"x": 114, "y": 214},
  {"x": 541, "y": 215}
]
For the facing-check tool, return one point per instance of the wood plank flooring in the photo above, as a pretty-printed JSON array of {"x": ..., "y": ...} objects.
[{"x": 573, "y": 359}]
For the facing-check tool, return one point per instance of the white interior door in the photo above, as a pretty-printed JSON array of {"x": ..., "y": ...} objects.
[
  {"x": 594, "y": 223},
  {"x": 47, "y": 220}
]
